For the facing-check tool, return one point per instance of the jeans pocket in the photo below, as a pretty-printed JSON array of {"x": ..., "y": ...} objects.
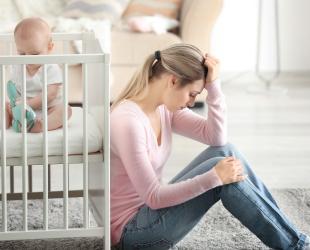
[{"x": 159, "y": 244}]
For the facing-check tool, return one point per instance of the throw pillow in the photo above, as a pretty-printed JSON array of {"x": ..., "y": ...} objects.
[
  {"x": 97, "y": 9},
  {"x": 157, "y": 24}
]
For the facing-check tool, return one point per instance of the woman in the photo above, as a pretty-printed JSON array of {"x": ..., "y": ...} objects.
[{"x": 148, "y": 214}]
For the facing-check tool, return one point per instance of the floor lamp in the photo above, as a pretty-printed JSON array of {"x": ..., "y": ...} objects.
[{"x": 267, "y": 88}]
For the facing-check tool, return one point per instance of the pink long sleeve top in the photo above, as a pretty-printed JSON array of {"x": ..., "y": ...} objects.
[{"x": 137, "y": 160}]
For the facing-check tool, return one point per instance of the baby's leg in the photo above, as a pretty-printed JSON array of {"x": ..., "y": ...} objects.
[
  {"x": 54, "y": 119},
  {"x": 8, "y": 114}
]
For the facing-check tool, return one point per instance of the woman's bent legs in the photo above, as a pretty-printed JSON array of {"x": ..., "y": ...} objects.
[{"x": 249, "y": 201}]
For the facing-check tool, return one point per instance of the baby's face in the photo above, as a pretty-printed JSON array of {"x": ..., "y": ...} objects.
[{"x": 35, "y": 45}]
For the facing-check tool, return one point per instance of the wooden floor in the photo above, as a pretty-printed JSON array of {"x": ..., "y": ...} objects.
[{"x": 271, "y": 130}]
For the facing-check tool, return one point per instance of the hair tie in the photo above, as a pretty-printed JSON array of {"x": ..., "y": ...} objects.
[{"x": 157, "y": 55}]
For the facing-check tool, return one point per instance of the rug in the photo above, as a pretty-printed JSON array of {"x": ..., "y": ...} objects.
[
  {"x": 217, "y": 230},
  {"x": 220, "y": 230}
]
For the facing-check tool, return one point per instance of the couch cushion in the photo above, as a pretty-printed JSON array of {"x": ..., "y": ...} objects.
[
  {"x": 168, "y": 8},
  {"x": 129, "y": 48},
  {"x": 97, "y": 9}
]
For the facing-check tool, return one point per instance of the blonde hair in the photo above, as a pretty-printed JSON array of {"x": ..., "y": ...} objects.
[{"x": 184, "y": 61}]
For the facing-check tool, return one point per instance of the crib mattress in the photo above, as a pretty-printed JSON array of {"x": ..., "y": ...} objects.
[{"x": 14, "y": 141}]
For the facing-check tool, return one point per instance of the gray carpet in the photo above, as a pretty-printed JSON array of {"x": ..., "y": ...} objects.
[
  {"x": 217, "y": 230},
  {"x": 220, "y": 230}
]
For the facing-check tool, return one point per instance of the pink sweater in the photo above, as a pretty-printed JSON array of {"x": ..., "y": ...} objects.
[{"x": 137, "y": 160}]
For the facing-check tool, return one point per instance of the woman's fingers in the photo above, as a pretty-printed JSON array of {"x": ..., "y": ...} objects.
[
  {"x": 241, "y": 178},
  {"x": 210, "y": 62},
  {"x": 213, "y": 68},
  {"x": 212, "y": 58},
  {"x": 229, "y": 158},
  {"x": 230, "y": 170},
  {"x": 237, "y": 167}
]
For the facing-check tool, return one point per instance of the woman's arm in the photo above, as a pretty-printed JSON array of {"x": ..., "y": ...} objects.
[
  {"x": 211, "y": 130},
  {"x": 129, "y": 143}
]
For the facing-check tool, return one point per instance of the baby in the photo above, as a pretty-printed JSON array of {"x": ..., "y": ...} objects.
[{"x": 33, "y": 37}]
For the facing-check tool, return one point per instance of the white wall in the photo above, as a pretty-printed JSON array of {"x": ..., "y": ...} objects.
[{"x": 235, "y": 33}]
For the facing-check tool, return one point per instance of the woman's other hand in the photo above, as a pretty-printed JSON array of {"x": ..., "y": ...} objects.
[{"x": 230, "y": 170}]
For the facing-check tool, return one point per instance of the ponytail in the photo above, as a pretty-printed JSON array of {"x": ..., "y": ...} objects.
[{"x": 182, "y": 60}]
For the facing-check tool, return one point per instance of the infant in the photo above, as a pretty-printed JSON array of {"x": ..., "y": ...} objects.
[{"x": 33, "y": 37}]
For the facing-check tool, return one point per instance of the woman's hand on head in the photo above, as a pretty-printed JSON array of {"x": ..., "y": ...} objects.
[
  {"x": 213, "y": 65},
  {"x": 230, "y": 170}
]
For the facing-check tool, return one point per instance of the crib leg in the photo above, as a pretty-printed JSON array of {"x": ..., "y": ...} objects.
[
  {"x": 30, "y": 178},
  {"x": 12, "y": 179}
]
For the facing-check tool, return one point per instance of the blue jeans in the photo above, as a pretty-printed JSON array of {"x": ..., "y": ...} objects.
[{"x": 249, "y": 201}]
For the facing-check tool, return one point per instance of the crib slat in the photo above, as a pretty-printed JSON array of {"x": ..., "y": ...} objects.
[
  {"x": 3, "y": 151},
  {"x": 106, "y": 147},
  {"x": 24, "y": 132},
  {"x": 65, "y": 46},
  {"x": 11, "y": 48},
  {"x": 85, "y": 146},
  {"x": 45, "y": 150},
  {"x": 65, "y": 146}
]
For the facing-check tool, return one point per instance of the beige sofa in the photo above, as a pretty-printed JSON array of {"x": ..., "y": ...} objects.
[{"x": 129, "y": 49}]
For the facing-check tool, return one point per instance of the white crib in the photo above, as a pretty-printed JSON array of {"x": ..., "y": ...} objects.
[{"x": 75, "y": 143}]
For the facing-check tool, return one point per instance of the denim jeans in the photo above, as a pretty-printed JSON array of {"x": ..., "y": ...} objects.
[{"x": 249, "y": 201}]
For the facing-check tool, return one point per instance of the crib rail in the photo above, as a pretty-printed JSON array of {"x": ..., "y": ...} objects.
[
  {"x": 52, "y": 233},
  {"x": 85, "y": 59},
  {"x": 54, "y": 59},
  {"x": 9, "y": 37}
]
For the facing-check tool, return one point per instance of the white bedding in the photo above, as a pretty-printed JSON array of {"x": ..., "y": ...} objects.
[{"x": 55, "y": 138}]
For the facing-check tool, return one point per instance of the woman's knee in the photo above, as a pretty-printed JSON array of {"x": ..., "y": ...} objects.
[{"x": 228, "y": 149}]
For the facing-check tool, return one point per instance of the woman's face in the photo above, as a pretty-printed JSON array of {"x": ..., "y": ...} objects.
[{"x": 178, "y": 98}]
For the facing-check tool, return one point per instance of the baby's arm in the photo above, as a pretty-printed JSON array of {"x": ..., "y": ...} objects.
[{"x": 36, "y": 102}]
